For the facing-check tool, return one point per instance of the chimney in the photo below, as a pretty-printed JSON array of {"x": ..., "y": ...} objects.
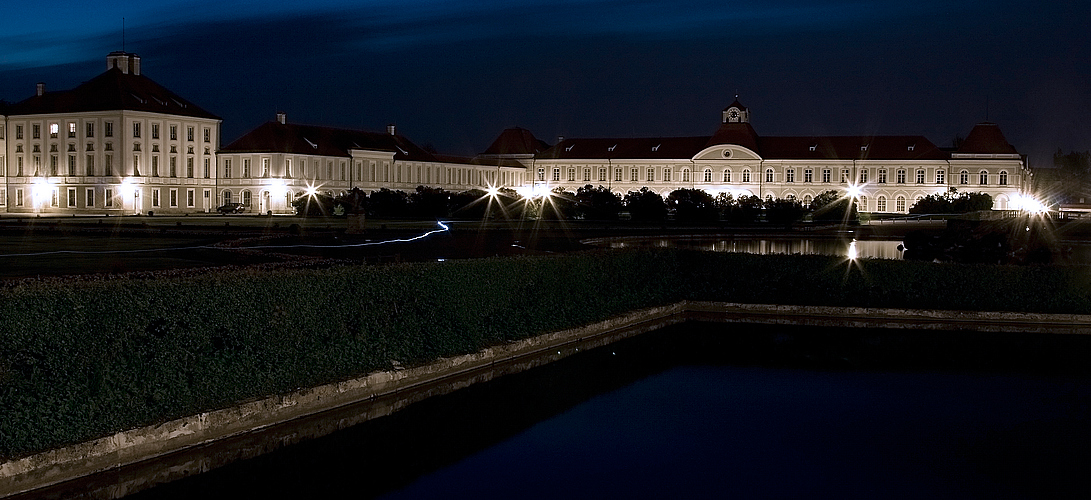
[
  {"x": 282, "y": 117},
  {"x": 560, "y": 139},
  {"x": 390, "y": 129},
  {"x": 126, "y": 62},
  {"x": 134, "y": 64},
  {"x": 40, "y": 89}
]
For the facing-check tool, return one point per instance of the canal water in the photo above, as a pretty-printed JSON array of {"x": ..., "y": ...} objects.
[
  {"x": 704, "y": 410},
  {"x": 863, "y": 249}
]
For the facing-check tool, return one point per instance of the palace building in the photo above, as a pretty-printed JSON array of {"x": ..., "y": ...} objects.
[{"x": 122, "y": 144}]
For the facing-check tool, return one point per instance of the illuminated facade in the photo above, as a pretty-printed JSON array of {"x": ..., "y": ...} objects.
[
  {"x": 889, "y": 173},
  {"x": 273, "y": 164},
  {"x": 119, "y": 143},
  {"x": 122, "y": 144}
]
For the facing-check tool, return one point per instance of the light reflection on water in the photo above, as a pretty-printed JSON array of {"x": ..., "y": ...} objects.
[{"x": 865, "y": 249}]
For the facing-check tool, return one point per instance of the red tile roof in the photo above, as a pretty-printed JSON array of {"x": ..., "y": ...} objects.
[
  {"x": 516, "y": 141},
  {"x": 986, "y": 138},
  {"x": 276, "y": 137},
  {"x": 632, "y": 148},
  {"x": 112, "y": 90}
]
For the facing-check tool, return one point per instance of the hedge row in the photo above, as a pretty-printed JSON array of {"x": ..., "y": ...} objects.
[{"x": 85, "y": 359}]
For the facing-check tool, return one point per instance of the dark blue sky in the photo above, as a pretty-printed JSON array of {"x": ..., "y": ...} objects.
[{"x": 455, "y": 74}]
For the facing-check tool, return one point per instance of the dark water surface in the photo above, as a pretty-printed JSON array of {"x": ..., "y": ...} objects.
[{"x": 721, "y": 411}]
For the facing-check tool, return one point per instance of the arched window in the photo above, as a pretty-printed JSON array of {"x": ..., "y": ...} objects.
[
  {"x": 708, "y": 175},
  {"x": 806, "y": 201},
  {"x": 246, "y": 199},
  {"x": 746, "y": 175},
  {"x": 1003, "y": 178},
  {"x": 768, "y": 175},
  {"x": 790, "y": 197},
  {"x": 900, "y": 204},
  {"x": 862, "y": 204},
  {"x": 964, "y": 177},
  {"x": 727, "y": 175},
  {"x": 983, "y": 177},
  {"x": 685, "y": 175},
  {"x": 881, "y": 204},
  {"x": 227, "y": 196}
]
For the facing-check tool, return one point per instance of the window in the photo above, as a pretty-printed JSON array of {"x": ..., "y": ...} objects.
[
  {"x": 90, "y": 165},
  {"x": 108, "y": 165},
  {"x": 155, "y": 131},
  {"x": 155, "y": 197},
  {"x": 768, "y": 175},
  {"x": 136, "y": 165},
  {"x": 208, "y": 168},
  {"x": 386, "y": 171},
  {"x": 634, "y": 174},
  {"x": 19, "y": 166},
  {"x": 208, "y": 135},
  {"x": 173, "y": 198},
  {"x": 53, "y": 165},
  {"x": 808, "y": 175},
  {"x": 173, "y": 166},
  {"x": 18, "y": 197},
  {"x": 90, "y": 195},
  {"x": 227, "y": 196},
  {"x": 940, "y": 177},
  {"x": 900, "y": 176},
  {"x": 727, "y": 175},
  {"x": 108, "y": 129},
  {"x": 863, "y": 204},
  {"x": 189, "y": 134},
  {"x": 920, "y": 176},
  {"x": 108, "y": 199},
  {"x": 983, "y": 177},
  {"x": 746, "y": 175},
  {"x": 288, "y": 168},
  {"x": 826, "y": 175},
  {"x": 708, "y": 175},
  {"x": 19, "y": 131},
  {"x": 54, "y": 129},
  {"x": 265, "y": 167},
  {"x": 71, "y": 130},
  {"x": 667, "y": 174},
  {"x": 36, "y": 131},
  {"x": 71, "y": 165},
  {"x": 790, "y": 175},
  {"x": 174, "y": 132},
  {"x": 136, "y": 129},
  {"x": 651, "y": 175},
  {"x": 587, "y": 174},
  {"x": 844, "y": 176},
  {"x": 881, "y": 178},
  {"x": 191, "y": 198},
  {"x": 964, "y": 177},
  {"x": 807, "y": 201},
  {"x": 53, "y": 199},
  {"x": 881, "y": 204},
  {"x": 155, "y": 166},
  {"x": 246, "y": 168},
  {"x": 899, "y": 204},
  {"x": 556, "y": 174},
  {"x": 189, "y": 167},
  {"x": 246, "y": 198},
  {"x": 685, "y": 175},
  {"x": 863, "y": 177},
  {"x": 1003, "y": 178},
  {"x": 602, "y": 175}
]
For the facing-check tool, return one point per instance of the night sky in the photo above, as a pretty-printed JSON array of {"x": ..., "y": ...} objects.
[{"x": 454, "y": 74}]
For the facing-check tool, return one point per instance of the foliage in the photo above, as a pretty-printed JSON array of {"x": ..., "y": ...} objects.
[
  {"x": 745, "y": 210},
  {"x": 645, "y": 205},
  {"x": 317, "y": 204},
  {"x": 952, "y": 202},
  {"x": 470, "y": 204},
  {"x": 1073, "y": 170},
  {"x": 80, "y": 360},
  {"x": 597, "y": 203},
  {"x": 694, "y": 205},
  {"x": 833, "y": 206},
  {"x": 387, "y": 203},
  {"x": 783, "y": 212},
  {"x": 429, "y": 202}
]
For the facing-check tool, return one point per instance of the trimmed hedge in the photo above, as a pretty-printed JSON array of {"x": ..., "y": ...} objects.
[{"x": 85, "y": 359}]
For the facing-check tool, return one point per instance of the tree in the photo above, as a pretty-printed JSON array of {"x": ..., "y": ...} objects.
[
  {"x": 1073, "y": 175},
  {"x": 314, "y": 205},
  {"x": 597, "y": 203},
  {"x": 387, "y": 203},
  {"x": 744, "y": 210},
  {"x": 952, "y": 202},
  {"x": 646, "y": 205},
  {"x": 469, "y": 204},
  {"x": 354, "y": 201},
  {"x": 429, "y": 202},
  {"x": 783, "y": 212},
  {"x": 692, "y": 205},
  {"x": 832, "y": 206}
]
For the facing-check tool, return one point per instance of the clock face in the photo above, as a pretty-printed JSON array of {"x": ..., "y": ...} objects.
[
  {"x": 734, "y": 113},
  {"x": 727, "y": 153}
]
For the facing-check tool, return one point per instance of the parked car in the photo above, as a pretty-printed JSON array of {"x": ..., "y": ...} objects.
[{"x": 231, "y": 208}]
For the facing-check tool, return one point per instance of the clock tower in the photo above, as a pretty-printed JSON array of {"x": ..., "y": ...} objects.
[{"x": 736, "y": 113}]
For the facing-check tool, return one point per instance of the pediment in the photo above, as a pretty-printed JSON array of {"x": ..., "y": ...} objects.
[{"x": 726, "y": 152}]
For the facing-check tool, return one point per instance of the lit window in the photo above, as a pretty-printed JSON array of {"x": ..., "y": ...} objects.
[
  {"x": 1003, "y": 178},
  {"x": 901, "y": 176}
]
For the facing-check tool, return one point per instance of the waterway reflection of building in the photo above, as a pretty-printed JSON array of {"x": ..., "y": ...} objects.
[{"x": 865, "y": 249}]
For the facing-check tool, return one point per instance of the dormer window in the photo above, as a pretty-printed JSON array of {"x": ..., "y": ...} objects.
[
  {"x": 863, "y": 148},
  {"x": 911, "y": 146},
  {"x": 813, "y": 147},
  {"x": 569, "y": 148},
  {"x": 313, "y": 145},
  {"x": 611, "y": 148},
  {"x": 656, "y": 147}
]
